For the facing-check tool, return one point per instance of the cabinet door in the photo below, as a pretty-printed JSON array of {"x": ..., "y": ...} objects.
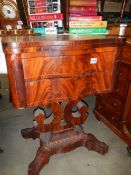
[{"x": 127, "y": 115}]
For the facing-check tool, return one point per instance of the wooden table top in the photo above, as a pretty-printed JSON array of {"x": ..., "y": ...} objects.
[{"x": 66, "y": 39}]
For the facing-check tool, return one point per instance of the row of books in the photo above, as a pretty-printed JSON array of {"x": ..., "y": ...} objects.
[
  {"x": 45, "y": 16},
  {"x": 83, "y": 7},
  {"x": 83, "y": 18}
]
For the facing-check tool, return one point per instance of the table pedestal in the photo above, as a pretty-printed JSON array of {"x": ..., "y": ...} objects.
[{"x": 57, "y": 138}]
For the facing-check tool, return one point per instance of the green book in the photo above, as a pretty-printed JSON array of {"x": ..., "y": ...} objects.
[
  {"x": 39, "y": 30},
  {"x": 88, "y": 30}
]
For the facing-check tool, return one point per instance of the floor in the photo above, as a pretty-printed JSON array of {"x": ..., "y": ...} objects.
[{"x": 18, "y": 152}]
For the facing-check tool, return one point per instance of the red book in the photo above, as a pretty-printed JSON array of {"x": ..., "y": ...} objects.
[
  {"x": 85, "y": 18},
  {"x": 75, "y": 9},
  {"x": 38, "y": 10},
  {"x": 84, "y": 14},
  {"x": 32, "y": 4},
  {"x": 45, "y": 17}
]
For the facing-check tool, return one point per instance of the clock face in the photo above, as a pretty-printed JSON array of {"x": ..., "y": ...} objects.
[{"x": 8, "y": 10}]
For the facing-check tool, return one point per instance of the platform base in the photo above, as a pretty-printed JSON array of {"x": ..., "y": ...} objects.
[{"x": 61, "y": 142}]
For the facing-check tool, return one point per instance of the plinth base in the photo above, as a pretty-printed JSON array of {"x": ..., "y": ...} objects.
[{"x": 61, "y": 142}]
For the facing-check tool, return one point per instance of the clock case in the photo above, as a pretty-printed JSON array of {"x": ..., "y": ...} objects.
[{"x": 21, "y": 15}]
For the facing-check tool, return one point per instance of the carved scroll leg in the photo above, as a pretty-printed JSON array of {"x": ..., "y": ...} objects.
[
  {"x": 42, "y": 157},
  {"x": 30, "y": 133},
  {"x": 91, "y": 143}
]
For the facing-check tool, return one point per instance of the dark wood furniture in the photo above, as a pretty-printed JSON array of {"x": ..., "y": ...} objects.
[
  {"x": 49, "y": 70},
  {"x": 114, "y": 109}
]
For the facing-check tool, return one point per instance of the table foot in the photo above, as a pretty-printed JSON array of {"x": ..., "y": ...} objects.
[
  {"x": 61, "y": 142},
  {"x": 30, "y": 133},
  {"x": 42, "y": 157},
  {"x": 92, "y": 143}
]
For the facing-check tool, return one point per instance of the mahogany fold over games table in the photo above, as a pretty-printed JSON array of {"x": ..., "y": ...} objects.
[{"x": 57, "y": 72}]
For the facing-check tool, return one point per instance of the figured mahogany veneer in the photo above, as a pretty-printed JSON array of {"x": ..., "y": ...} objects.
[
  {"x": 57, "y": 71},
  {"x": 114, "y": 109},
  {"x": 56, "y": 68}
]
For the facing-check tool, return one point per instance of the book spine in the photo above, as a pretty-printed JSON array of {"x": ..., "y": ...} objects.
[
  {"x": 75, "y": 9},
  {"x": 40, "y": 0},
  {"x": 39, "y": 30},
  {"x": 48, "y": 30},
  {"x": 37, "y": 3},
  {"x": 87, "y": 24},
  {"x": 88, "y": 31},
  {"x": 85, "y": 18},
  {"x": 45, "y": 17},
  {"x": 56, "y": 23},
  {"x": 84, "y": 14},
  {"x": 40, "y": 3},
  {"x": 38, "y": 10},
  {"x": 44, "y": 9},
  {"x": 83, "y": 3}
]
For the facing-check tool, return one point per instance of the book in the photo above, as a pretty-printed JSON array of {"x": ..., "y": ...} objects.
[
  {"x": 88, "y": 1},
  {"x": 56, "y": 23},
  {"x": 88, "y": 31},
  {"x": 34, "y": 3},
  {"x": 45, "y": 17},
  {"x": 85, "y": 18},
  {"x": 87, "y": 24},
  {"x": 34, "y": 10},
  {"x": 75, "y": 9},
  {"x": 43, "y": 31},
  {"x": 83, "y": 2},
  {"x": 48, "y": 30},
  {"x": 84, "y": 14},
  {"x": 44, "y": 9},
  {"x": 44, "y": 6}
]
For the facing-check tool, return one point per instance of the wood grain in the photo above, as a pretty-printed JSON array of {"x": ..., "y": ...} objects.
[
  {"x": 48, "y": 71},
  {"x": 114, "y": 108},
  {"x": 59, "y": 68}
]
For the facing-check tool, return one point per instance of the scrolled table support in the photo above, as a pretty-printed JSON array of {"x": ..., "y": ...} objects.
[
  {"x": 60, "y": 138},
  {"x": 59, "y": 144}
]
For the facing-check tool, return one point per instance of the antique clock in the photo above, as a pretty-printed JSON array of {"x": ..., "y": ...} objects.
[{"x": 9, "y": 15}]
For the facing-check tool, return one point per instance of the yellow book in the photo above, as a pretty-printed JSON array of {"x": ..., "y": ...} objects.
[{"x": 87, "y": 24}]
